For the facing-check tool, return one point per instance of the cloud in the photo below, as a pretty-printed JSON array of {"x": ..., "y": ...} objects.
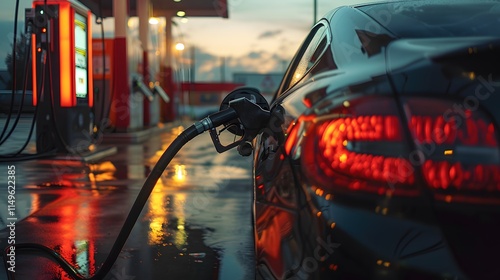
[
  {"x": 269, "y": 34},
  {"x": 266, "y": 63},
  {"x": 209, "y": 67},
  {"x": 254, "y": 55}
]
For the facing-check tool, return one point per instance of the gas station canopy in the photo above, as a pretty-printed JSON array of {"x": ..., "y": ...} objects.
[{"x": 160, "y": 8}]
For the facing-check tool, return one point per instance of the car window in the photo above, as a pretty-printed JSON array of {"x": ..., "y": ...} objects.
[
  {"x": 311, "y": 55},
  {"x": 308, "y": 55},
  {"x": 357, "y": 38}
]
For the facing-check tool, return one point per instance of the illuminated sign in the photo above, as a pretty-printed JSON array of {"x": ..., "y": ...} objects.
[{"x": 81, "y": 84}]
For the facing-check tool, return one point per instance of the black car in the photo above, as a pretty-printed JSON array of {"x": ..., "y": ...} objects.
[{"x": 384, "y": 162}]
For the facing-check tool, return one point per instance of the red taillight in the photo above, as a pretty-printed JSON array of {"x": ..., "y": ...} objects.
[
  {"x": 446, "y": 175},
  {"x": 363, "y": 146},
  {"x": 359, "y": 147},
  {"x": 461, "y": 147},
  {"x": 337, "y": 135},
  {"x": 436, "y": 130}
]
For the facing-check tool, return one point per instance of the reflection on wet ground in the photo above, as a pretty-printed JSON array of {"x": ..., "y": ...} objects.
[{"x": 196, "y": 224}]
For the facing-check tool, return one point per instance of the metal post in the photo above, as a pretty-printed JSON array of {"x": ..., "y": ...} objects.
[
  {"x": 143, "y": 14},
  {"x": 193, "y": 66},
  {"x": 315, "y": 11},
  {"x": 121, "y": 108},
  {"x": 223, "y": 69}
]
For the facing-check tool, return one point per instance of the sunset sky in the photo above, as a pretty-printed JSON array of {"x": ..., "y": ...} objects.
[{"x": 259, "y": 35}]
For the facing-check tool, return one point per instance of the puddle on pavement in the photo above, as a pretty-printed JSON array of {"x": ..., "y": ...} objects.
[
  {"x": 26, "y": 204},
  {"x": 183, "y": 233}
]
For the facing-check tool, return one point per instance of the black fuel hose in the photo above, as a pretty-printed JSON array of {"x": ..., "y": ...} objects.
[{"x": 187, "y": 135}]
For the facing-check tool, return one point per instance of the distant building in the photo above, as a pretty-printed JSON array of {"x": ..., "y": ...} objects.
[
  {"x": 267, "y": 83},
  {"x": 202, "y": 98}
]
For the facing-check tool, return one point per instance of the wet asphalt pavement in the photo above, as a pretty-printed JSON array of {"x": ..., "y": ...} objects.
[{"x": 195, "y": 225}]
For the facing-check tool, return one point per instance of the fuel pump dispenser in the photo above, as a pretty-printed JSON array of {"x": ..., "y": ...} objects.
[{"x": 62, "y": 76}]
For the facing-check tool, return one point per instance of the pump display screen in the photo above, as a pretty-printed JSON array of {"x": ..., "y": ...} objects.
[{"x": 81, "y": 74}]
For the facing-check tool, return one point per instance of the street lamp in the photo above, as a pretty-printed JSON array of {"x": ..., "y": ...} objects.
[
  {"x": 179, "y": 46},
  {"x": 153, "y": 21}
]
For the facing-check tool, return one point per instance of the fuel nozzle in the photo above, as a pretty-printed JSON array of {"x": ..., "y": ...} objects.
[
  {"x": 243, "y": 112},
  {"x": 138, "y": 85}
]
